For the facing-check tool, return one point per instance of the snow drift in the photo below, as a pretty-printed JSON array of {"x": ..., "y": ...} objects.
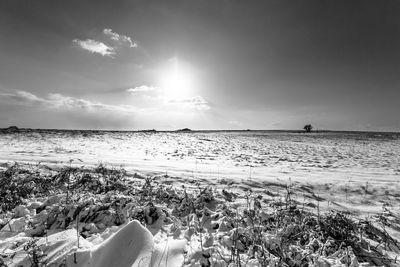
[{"x": 132, "y": 245}]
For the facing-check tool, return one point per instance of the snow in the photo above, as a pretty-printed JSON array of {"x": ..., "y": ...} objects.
[
  {"x": 132, "y": 245},
  {"x": 357, "y": 173},
  {"x": 326, "y": 156}
]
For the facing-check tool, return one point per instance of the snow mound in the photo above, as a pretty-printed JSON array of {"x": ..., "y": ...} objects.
[
  {"x": 133, "y": 245},
  {"x": 130, "y": 246}
]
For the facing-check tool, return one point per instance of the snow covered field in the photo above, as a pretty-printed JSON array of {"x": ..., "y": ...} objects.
[
  {"x": 323, "y": 160},
  {"x": 353, "y": 172},
  {"x": 330, "y": 156}
]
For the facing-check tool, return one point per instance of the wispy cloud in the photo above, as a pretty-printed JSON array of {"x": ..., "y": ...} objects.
[
  {"x": 197, "y": 102},
  {"x": 120, "y": 38},
  {"x": 154, "y": 93},
  {"x": 59, "y": 101},
  {"x": 22, "y": 97},
  {"x": 59, "y": 110},
  {"x": 142, "y": 88},
  {"x": 95, "y": 47}
]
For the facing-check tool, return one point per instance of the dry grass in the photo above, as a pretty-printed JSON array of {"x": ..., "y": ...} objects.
[{"x": 277, "y": 231}]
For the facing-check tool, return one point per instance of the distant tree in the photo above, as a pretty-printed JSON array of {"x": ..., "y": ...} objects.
[{"x": 308, "y": 128}]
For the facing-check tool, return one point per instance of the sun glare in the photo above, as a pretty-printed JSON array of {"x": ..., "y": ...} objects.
[{"x": 177, "y": 81}]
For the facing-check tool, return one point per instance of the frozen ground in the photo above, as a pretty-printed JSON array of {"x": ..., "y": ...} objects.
[
  {"x": 368, "y": 163},
  {"x": 331, "y": 156},
  {"x": 355, "y": 172}
]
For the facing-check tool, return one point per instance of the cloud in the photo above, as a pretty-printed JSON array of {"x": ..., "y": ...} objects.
[
  {"x": 22, "y": 96},
  {"x": 142, "y": 88},
  {"x": 59, "y": 111},
  {"x": 58, "y": 101},
  {"x": 120, "y": 38},
  {"x": 197, "y": 102},
  {"x": 104, "y": 49},
  {"x": 95, "y": 47},
  {"x": 63, "y": 111}
]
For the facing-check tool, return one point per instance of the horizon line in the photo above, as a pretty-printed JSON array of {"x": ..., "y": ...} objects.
[{"x": 188, "y": 130}]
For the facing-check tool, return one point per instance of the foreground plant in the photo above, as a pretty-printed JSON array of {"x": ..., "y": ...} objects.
[{"x": 222, "y": 228}]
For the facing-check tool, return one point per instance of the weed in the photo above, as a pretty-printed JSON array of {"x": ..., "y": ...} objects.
[{"x": 35, "y": 253}]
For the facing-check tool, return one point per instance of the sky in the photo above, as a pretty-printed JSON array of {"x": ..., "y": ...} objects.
[{"x": 200, "y": 64}]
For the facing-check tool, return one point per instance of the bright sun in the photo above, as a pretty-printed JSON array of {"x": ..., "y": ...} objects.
[{"x": 176, "y": 82}]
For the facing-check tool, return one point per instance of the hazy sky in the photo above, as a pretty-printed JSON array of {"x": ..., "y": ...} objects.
[{"x": 202, "y": 64}]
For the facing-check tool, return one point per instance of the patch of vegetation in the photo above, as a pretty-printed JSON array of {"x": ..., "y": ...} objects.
[
  {"x": 265, "y": 231},
  {"x": 35, "y": 253}
]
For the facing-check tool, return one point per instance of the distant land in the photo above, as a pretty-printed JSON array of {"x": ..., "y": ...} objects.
[{"x": 15, "y": 129}]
